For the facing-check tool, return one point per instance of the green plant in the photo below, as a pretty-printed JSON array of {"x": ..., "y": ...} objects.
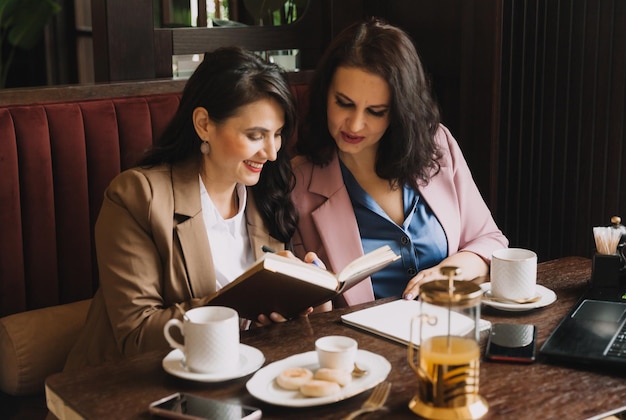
[
  {"x": 267, "y": 12},
  {"x": 21, "y": 26}
]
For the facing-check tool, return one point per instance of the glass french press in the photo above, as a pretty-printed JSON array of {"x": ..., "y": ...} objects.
[{"x": 448, "y": 365}]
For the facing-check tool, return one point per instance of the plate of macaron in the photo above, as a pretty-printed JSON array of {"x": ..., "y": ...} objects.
[{"x": 299, "y": 381}]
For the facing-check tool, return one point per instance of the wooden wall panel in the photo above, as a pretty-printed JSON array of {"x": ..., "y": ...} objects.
[
  {"x": 562, "y": 159},
  {"x": 123, "y": 40}
]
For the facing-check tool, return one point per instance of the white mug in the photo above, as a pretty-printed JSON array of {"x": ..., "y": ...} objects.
[
  {"x": 336, "y": 352},
  {"x": 211, "y": 335},
  {"x": 514, "y": 273}
]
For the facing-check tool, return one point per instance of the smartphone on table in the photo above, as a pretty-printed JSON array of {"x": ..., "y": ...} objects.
[
  {"x": 188, "y": 406},
  {"x": 512, "y": 343}
]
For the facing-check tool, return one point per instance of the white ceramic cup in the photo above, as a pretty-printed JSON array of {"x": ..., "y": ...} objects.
[
  {"x": 211, "y": 335},
  {"x": 514, "y": 273},
  {"x": 336, "y": 352}
]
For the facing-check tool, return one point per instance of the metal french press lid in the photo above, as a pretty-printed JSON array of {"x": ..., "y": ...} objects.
[{"x": 449, "y": 292}]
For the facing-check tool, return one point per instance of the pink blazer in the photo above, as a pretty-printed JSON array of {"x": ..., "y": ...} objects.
[{"x": 328, "y": 225}]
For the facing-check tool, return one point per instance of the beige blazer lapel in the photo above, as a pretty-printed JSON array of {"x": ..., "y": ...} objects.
[{"x": 191, "y": 230}]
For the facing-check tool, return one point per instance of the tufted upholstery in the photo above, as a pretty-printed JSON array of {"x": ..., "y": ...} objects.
[{"x": 56, "y": 160}]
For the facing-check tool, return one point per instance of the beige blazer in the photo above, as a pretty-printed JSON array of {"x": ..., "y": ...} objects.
[{"x": 153, "y": 252}]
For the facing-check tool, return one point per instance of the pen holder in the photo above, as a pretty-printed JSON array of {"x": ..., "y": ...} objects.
[{"x": 606, "y": 270}]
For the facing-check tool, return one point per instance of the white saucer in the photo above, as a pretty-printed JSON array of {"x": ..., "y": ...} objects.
[
  {"x": 263, "y": 385},
  {"x": 547, "y": 297},
  {"x": 250, "y": 359}
]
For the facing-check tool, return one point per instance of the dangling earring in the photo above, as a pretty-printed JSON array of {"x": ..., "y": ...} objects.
[{"x": 205, "y": 148}]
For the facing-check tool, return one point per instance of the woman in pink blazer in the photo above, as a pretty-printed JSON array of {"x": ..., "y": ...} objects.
[{"x": 376, "y": 167}]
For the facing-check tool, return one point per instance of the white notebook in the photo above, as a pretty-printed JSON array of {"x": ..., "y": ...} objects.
[{"x": 393, "y": 320}]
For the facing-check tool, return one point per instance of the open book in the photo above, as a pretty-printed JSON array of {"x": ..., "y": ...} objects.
[
  {"x": 289, "y": 286},
  {"x": 392, "y": 320}
]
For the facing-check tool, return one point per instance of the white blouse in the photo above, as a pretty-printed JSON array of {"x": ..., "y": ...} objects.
[{"x": 228, "y": 238}]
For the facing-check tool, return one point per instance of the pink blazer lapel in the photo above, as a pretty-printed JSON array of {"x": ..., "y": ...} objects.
[{"x": 337, "y": 227}]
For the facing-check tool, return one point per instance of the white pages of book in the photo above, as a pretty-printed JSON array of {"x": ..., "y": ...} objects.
[
  {"x": 357, "y": 270},
  {"x": 368, "y": 264},
  {"x": 393, "y": 320},
  {"x": 294, "y": 267}
]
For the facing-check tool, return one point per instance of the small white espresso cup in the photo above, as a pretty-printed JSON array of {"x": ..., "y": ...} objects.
[
  {"x": 514, "y": 273},
  {"x": 211, "y": 335},
  {"x": 336, "y": 352}
]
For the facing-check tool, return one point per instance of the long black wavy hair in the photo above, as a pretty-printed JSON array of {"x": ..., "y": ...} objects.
[
  {"x": 227, "y": 79},
  {"x": 407, "y": 153}
]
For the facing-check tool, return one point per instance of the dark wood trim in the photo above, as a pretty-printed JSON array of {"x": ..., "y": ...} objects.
[
  {"x": 202, "y": 14},
  {"x": 163, "y": 53},
  {"x": 123, "y": 40},
  {"x": 100, "y": 35},
  {"x": 195, "y": 40},
  {"x": 28, "y": 96}
]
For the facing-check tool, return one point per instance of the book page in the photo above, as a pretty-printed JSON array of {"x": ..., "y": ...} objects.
[
  {"x": 353, "y": 272},
  {"x": 367, "y": 264},
  {"x": 300, "y": 270}
]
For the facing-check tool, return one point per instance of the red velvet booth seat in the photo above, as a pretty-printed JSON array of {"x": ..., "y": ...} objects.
[{"x": 56, "y": 160}]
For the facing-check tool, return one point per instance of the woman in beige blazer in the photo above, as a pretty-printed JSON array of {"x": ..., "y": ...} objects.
[{"x": 196, "y": 211}]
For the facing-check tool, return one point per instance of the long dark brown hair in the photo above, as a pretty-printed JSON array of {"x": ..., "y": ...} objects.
[
  {"x": 227, "y": 79},
  {"x": 407, "y": 153}
]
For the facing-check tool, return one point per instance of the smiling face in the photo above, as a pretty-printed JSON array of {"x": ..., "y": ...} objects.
[
  {"x": 358, "y": 107},
  {"x": 242, "y": 144}
]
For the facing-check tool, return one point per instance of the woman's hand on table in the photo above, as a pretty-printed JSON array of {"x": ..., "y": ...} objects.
[
  {"x": 412, "y": 289},
  {"x": 471, "y": 266}
]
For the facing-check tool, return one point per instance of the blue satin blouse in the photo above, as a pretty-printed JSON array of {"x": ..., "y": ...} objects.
[{"x": 420, "y": 241}]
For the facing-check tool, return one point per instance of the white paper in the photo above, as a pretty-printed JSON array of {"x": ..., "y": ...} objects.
[{"x": 393, "y": 320}]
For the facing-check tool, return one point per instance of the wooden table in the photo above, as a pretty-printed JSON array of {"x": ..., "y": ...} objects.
[{"x": 538, "y": 391}]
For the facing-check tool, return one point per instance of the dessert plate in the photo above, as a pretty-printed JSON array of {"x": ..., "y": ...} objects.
[
  {"x": 263, "y": 385},
  {"x": 547, "y": 297},
  {"x": 250, "y": 359}
]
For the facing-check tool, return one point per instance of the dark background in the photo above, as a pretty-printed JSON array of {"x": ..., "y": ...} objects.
[{"x": 533, "y": 90}]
